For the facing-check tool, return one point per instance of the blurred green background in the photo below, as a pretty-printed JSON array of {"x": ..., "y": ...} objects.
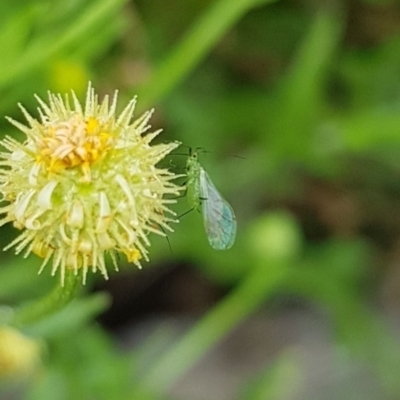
[{"x": 306, "y": 304}]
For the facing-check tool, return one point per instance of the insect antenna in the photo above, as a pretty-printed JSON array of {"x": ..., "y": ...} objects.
[
  {"x": 188, "y": 154},
  {"x": 204, "y": 151}
]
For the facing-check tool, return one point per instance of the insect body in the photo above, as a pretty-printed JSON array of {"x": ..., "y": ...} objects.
[{"x": 219, "y": 218}]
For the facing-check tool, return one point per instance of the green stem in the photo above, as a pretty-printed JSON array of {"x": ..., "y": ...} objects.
[
  {"x": 36, "y": 55},
  {"x": 203, "y": 36},
  {"x": 222, "y": 319},
  {"x": 51, "y": 303}
]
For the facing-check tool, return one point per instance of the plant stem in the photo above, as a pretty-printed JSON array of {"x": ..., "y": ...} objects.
[
  {"x": 202, "y": 37},
  {"x": 36, "y": 55},
  {"x": 49, "y": 304},
  {"x": 222, "y": 319}
]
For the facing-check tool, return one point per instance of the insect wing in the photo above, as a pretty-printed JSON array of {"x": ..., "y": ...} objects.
[{"x": 218, "y": 215}]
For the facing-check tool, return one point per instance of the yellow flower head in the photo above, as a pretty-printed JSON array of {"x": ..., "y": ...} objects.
[
  {"x": 85, "y": 183},
  {"x": 19, "y": 355}
]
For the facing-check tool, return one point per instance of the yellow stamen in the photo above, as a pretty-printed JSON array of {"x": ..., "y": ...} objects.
[{"x": 132, "y": 255}]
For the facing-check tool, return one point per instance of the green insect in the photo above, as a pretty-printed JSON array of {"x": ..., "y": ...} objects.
[{"x": 219, "y": 218}]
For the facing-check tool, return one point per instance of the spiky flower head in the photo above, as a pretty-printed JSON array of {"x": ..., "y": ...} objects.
[
  {"x": 19, "y": 354},
  {"x": 85, "y": 183}
]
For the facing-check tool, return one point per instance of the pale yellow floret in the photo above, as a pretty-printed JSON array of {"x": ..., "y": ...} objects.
[
  {"x": 133, "y": 255},
  {"x": 19, "y": 354}
]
